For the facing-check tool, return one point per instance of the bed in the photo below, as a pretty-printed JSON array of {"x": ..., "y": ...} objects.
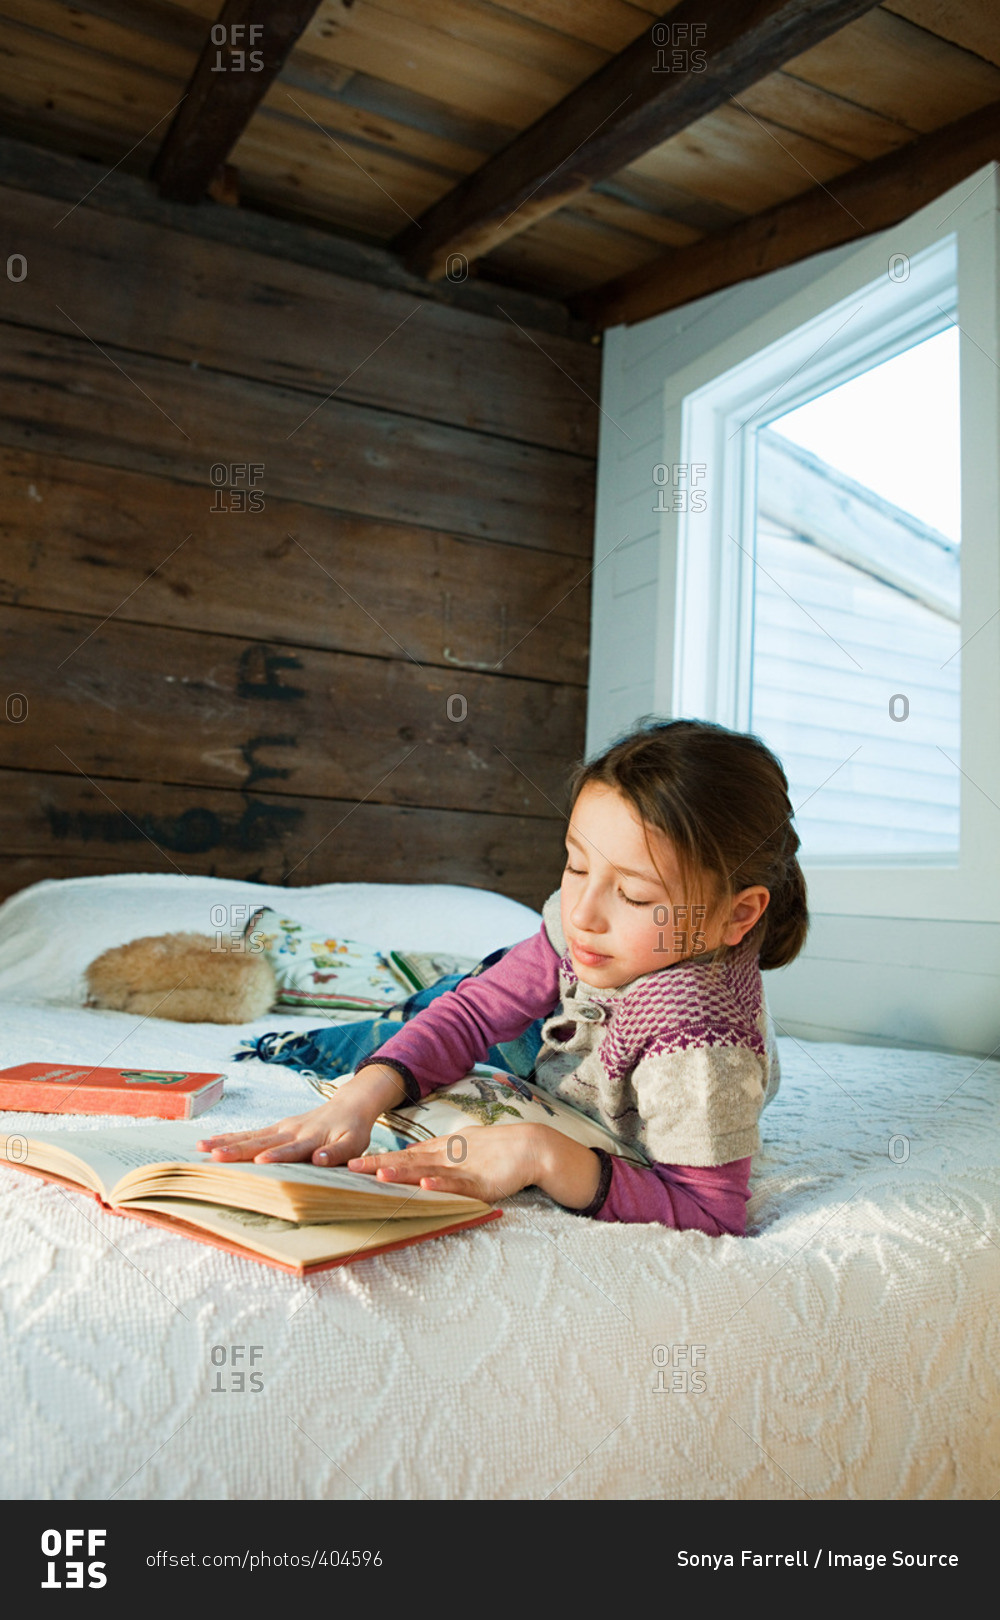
[{"x": 847, "y": 1348}]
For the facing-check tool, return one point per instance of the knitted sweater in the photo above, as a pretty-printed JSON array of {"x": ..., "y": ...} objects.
[{"x": 679, "y": 1062}]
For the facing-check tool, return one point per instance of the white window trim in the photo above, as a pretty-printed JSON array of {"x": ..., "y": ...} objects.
[{"x": 953, "y": 239}]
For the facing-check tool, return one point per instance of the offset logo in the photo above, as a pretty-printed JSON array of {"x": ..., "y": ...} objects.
[{"x": 64, "y": 1569}]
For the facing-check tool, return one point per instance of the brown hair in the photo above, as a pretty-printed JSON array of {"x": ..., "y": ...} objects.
[{"x": 721, "y": 798}]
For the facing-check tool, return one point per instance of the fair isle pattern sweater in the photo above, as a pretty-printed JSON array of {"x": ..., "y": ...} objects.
[{"x": 679, "y": 1062}]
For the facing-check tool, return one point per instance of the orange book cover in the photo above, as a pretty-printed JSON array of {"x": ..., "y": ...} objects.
[{"x": 72, "y": 1088}]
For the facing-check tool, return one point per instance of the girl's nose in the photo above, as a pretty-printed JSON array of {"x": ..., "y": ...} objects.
[{"x": 587, "y": 914}]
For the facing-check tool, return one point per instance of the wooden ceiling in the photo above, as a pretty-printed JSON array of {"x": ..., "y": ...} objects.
[{"x": 540, "y": 139}]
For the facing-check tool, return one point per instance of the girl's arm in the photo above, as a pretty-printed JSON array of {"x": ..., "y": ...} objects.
[
  {"x": 440, "y": 1044},
  {"x": 698, "y": 1104},
  {"x": 710, "y": 1198},
  {"x": 494, "y": 1163}
]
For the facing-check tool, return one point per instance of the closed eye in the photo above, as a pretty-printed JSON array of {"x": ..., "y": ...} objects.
[{"x": 578, "y": 871}]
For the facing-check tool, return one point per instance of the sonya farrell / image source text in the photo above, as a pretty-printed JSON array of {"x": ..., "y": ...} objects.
[
  {"x": 319, "y": 1558},
  {"x": 822, "y": 1558}
]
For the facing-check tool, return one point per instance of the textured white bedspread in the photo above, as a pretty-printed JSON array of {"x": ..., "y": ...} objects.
[{"x": 848, "y": 1348}]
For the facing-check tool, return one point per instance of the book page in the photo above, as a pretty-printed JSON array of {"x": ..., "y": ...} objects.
[
  {"x": 110, "y": 1153},
  {"x": 333, "y": 1195},
  {"x": 130, "y": 1161},
  {"x": 98, "y": 1158},
  {"x": 17, "y": 1149},
  {"x": 294, "y": 1243}
]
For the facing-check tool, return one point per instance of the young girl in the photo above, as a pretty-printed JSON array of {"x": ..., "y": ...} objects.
[{"x": 681, "y": 883}]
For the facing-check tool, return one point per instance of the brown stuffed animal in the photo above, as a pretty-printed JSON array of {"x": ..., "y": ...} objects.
[{"x": 192, "y": 978}]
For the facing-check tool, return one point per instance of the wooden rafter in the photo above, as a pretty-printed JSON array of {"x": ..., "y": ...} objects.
[
  {"x": 870, "y": 198},
  {"x": 243, "y": 55},
  {"x": 708, "y": 50}
]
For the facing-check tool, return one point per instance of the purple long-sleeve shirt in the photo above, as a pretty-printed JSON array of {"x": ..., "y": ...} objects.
[{"x": 440, "y": 1045}]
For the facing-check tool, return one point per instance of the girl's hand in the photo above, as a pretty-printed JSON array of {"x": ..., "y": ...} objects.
[
  {"x": 476, "y": 1161},
  {"x": 329, "y": 1134},
  {"x": 326, "y": 1135}
]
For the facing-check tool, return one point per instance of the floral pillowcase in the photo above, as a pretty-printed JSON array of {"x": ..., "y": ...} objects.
[{"x": 341, "y": 975}]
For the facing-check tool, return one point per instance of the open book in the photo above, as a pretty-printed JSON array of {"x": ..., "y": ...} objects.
[{"x": 298, "y": 1217}]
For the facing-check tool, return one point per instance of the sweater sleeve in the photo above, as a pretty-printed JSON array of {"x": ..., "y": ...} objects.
[
  {"x": 704, "y": 1198},
  {"x": 700, "y": 1103},
  {"x": 440, "y": 1044}
]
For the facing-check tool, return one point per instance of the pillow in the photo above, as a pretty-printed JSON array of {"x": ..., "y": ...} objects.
[
  {"x": 333, "y": 974},
  {"x": 51, "y": 930}
]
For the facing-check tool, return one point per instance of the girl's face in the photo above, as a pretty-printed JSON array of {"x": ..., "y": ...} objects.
[{"x": 622, "y": 919}]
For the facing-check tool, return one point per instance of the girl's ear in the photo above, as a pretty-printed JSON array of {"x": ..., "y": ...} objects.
[{"x": 748, "y": 908}]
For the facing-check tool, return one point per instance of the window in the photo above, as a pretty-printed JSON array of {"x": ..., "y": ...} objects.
[
  {"x": 856, "y": 608},
  {"x": 830, "y": 558}
]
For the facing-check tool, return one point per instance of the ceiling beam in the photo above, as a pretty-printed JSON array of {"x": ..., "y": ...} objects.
[
  {"x": 243, "y": 55},
  {"x": 868, "y": 198},
  {"x": 678, "y": 70}
]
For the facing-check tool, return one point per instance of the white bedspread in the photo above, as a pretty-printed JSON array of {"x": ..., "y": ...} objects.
[{"x": 849, "y": 1348}]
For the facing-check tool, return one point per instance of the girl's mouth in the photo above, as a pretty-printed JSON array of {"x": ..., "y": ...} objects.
[{"x": 589, "y": 958}]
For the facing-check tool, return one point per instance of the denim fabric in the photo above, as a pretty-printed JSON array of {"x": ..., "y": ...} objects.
[{"x": 337, "y": 1049}]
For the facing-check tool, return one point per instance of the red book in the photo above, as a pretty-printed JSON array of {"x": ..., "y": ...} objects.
[{"x": 71, "y": 1088}]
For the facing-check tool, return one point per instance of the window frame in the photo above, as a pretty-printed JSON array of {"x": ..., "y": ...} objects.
[{"x": 710, "y": 408}]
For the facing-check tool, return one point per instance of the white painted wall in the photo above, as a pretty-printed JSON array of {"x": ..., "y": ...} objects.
[{"x": 882, "y": 973}]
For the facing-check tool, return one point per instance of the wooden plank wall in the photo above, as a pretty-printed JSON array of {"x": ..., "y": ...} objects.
[{"x": 294, "y": 568}]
